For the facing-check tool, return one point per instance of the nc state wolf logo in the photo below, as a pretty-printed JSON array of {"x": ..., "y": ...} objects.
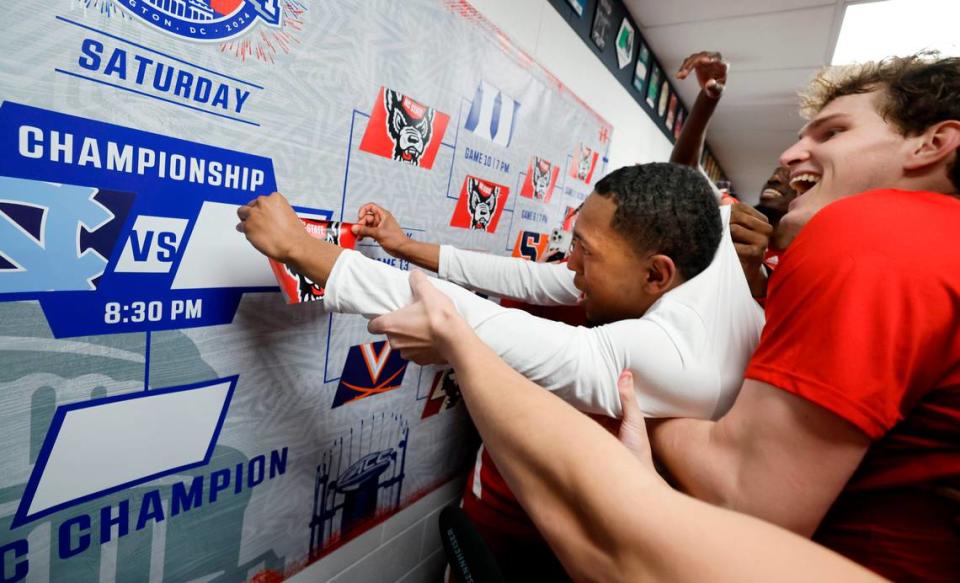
[
  {"x": 370, "y": 369},
  {"x": 480, "y": 205},
  {"x": 541, "y": 179},
  {"x": 404, "y": 129},
  {"x": 585, "y": 161}
]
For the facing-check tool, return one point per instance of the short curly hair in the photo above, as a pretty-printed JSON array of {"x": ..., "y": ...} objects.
[
  {"x": 917, "y": 91},
  {"x": 665, "y": 208}
]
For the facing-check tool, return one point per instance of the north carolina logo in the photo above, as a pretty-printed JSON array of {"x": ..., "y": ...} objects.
[{"x": 205, "y": 20}]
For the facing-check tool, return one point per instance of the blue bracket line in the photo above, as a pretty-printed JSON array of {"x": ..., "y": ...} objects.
[
  {"x": 456, "y": 140},
  {"x": 346, "y": 168},
  {"x": 146, "y": 364},
  {"x": 513, "y": 214},
  {"x": 419, "y": 381},
  {"x": 326, "y": 356}
]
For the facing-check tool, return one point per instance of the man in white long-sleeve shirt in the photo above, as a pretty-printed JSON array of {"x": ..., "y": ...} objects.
[{"x": 653, "y": 265}]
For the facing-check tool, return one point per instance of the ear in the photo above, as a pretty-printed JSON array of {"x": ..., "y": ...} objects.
[
  {"x": 935, "y": 145},
  {"x": 661, "y": 274}
]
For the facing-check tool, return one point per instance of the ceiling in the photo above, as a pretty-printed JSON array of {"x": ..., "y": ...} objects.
[{"x": 774, "y": 47}]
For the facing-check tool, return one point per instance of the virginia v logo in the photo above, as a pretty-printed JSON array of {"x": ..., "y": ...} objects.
[
  {"x": 152, "y": 245},
  {"x": 375, "y": 360},
  {"x": 370, "y": 369}
]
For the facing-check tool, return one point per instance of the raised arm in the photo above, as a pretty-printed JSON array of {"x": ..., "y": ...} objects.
[
  {"x": 602, "y": 508},
  {"x": 711, "y": 72},
  {"x": 511, "y": 277}
]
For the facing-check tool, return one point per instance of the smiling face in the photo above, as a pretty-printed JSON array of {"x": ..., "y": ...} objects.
[
  {"x": 777, "y": 194},
  {"x": 846, "y": 149},
  {"x": 607, "y": 270}
]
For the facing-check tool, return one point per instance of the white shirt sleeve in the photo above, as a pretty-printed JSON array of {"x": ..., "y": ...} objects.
[
  {"x": 581, "y": 365},
  {"x": 543, "y": 284}
]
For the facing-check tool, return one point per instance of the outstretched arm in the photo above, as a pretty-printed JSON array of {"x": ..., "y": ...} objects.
[
  {"x": 580, "y": 364},
  {"x": 602, "y": 508},
  {"x": 379, "y": 224},
  {"x": 711, "y": 72},
  {"x": 529, "y": 281},
  {"x": 273, "y": 228}
]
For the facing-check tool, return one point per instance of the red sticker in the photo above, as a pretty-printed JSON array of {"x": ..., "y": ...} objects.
[
  {"x": 480, "y": 205},
  {"x": 541, "y": 179},
  {"x": 298, "y": 288},
  {"x": 584, "y": 163},
  {"x": 404, "y": 129}
]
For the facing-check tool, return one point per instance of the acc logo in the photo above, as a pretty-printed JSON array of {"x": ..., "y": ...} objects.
[
  {"x": 204, "y": 20},
  {"x": 370, "y": 369},
  {"x": 152, "y": 245}
]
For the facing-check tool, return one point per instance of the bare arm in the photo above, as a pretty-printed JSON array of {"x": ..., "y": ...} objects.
[
  {"x": 580, "y": 364},
  {"x": 602, "y": 508},
  {"x": 273, "y": 228},
  {"x": 379, "y": 224},
  {"x": 751, "y": 232},
  {"x": 711, "y": 72},
  {"x": 774, "y": 455}
]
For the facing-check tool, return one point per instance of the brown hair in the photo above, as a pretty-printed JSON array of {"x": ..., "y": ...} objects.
[{"x": 918, "y": 91}]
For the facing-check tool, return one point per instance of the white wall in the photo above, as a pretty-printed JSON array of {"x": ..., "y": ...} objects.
[
  {"x": 407, "y": 546},
  {"x": 538, "y": 28}
]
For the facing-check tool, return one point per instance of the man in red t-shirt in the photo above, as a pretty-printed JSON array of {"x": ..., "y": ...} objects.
[{"x": 847, "y": 427}]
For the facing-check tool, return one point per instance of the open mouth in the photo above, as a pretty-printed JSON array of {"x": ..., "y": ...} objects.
[
  {"x": 770, "y": 194},
  {"x": 804, "y": 182}
]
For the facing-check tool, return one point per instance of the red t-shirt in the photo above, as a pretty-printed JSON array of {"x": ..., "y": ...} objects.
[{"x": 863, "y": 319}]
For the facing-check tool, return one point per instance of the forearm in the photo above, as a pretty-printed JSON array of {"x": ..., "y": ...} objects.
[
  {"x": 550, "y": 455},
  {"x": 757, "y": 280},
  {"x": 315, "y": 259},
  {"x": 775, "y": 456},
  {"x": 536, "y": 283},
  {"x": 608, "y": 516},
  {"x": 689, "y": 145},
  {"x": 421, "y": 254}
]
